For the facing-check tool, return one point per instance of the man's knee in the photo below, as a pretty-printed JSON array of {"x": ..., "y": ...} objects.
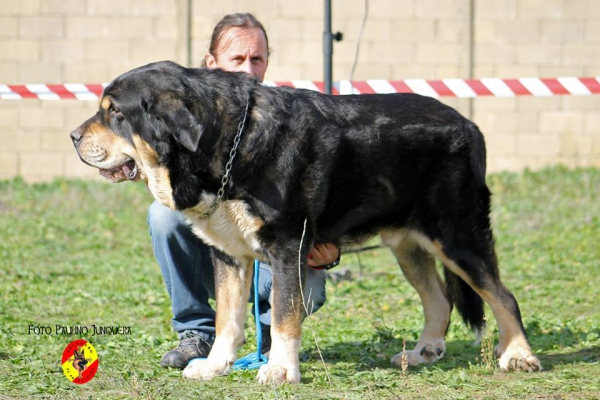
[
  {"x": 163, "y": 220},
  {"x": 315, "y": 290}
]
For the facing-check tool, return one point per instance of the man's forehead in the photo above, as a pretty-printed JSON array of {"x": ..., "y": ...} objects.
[{"x": 243, "y": 40}]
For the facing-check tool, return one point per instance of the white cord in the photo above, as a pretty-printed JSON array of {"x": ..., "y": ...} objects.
[
  {"x": 360, "y": 33},
  {"x": 304, "y": 304}
]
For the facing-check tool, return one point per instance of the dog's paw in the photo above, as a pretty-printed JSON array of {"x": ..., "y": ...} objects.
[
  {"x": 519, "y": 359},
  {"x": 278, "y": 374},
  {"x": 204, "y": 370},
  {"x": 421, "y": 354}
]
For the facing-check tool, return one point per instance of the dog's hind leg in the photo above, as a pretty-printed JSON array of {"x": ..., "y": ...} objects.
[
  {"x": 419, "y": 268},
  {"x": 471, "y": 256},
  {"x": 232, "y": 287}
]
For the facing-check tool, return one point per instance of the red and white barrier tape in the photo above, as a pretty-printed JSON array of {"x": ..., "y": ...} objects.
[
  {"x": 462, "y": 88},
  {"x": 40, "y": 91}
]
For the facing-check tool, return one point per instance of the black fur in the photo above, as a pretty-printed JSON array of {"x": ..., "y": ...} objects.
[{"x": 350, "y": 166}]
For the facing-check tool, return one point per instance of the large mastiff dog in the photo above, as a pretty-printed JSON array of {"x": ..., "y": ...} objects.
[{"x": 266, "y": 172}]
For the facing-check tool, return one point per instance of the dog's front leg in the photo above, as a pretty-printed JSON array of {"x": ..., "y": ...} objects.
[
  {"x": 232, "y": 287},
  {"x": 287, "y": 310}
]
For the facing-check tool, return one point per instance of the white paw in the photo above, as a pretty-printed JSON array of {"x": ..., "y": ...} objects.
[
  {"x": 205, "y": 370},
  {"x": 278, "y": 374},
  {"x": 519, "y": 359},
  {"x": 428, "y": 353}
]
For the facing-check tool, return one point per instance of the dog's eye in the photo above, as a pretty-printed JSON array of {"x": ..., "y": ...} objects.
[{"x": 115, "y": 112}]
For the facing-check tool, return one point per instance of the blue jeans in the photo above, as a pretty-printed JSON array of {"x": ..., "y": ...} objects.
[{"x": 187, "y": 269}]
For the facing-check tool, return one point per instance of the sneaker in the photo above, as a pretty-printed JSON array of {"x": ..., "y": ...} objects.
[
  {"x": 340, "y": 275},
  {"x": 266, "y": 338},
  {"x": 188, "y": 349}
]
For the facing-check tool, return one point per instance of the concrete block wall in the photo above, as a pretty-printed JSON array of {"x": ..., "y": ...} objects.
[
  {"x": 542, "y": 38},
  {"x": 93, "y": 41},
  {"x": 63, "y": 41}
]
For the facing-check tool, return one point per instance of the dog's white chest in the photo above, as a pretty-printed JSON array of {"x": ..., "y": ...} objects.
[{"x": 231, "y": 228}]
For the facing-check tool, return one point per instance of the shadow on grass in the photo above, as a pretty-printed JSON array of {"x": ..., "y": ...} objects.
[
  {"x": 378, "y": 351},
  {"x": 558, "y": 338},
  {"x": 550, "y": 361},
  {"x": 375, "y": 353}
]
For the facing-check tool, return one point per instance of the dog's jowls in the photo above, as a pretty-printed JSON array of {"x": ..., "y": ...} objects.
[{"x": 403, "y": 166}]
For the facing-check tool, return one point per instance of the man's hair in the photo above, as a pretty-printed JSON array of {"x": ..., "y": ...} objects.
[{"x": 238, "y": 20}]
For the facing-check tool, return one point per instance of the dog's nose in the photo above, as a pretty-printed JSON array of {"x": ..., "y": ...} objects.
[{"x": 76, "y": 137}]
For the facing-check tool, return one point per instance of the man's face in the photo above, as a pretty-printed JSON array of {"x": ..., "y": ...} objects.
[{"x": 241, "y": 50}]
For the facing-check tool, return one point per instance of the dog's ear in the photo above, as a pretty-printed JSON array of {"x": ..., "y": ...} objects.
[
  {"x": 175, "y": 120},
  {"x": 186, "y": 128}
]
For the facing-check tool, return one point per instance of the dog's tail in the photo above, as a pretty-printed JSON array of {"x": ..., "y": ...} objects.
[
  {"x": 478, "y": 153},
  {"x": 460, "y": 295},
  {"x": 467, "y": 301}
]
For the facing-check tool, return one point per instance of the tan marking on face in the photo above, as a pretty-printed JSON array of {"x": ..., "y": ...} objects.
[
  {"x": 102, "y": 148},
  {"x": 105, "y": 103}
]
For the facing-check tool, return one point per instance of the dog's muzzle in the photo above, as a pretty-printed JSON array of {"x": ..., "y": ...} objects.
[
  {"x": 76, "y": 137},
  {"x": 126, "y": 171}
]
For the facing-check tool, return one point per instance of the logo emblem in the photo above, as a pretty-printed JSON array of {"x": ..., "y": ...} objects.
[{"x": 80, "y": 361}]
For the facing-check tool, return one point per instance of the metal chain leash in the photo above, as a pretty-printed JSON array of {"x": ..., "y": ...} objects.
[{"x": 229, "y": 165}]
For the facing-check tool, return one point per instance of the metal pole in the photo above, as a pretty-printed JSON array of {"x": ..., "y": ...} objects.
[
  {"x": 188, "y": 33},
  {"x": 328, "y": 49}
]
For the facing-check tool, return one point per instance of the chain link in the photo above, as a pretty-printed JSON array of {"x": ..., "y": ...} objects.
[{"x": 228, "y": 166}]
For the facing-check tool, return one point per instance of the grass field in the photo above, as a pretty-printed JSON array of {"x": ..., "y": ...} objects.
[{"x": 77, "y": 254}]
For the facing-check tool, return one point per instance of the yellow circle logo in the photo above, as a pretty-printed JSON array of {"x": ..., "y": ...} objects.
[{"x": 80, "y": 361}]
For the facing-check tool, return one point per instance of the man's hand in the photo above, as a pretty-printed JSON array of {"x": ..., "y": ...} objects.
[{"x": 323, "y": 254}]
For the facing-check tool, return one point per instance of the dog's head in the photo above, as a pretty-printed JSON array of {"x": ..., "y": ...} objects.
[{"x": 150, "y": 120}]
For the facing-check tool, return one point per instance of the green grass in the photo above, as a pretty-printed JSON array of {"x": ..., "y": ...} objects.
[{"x": 76, "y": 253}]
